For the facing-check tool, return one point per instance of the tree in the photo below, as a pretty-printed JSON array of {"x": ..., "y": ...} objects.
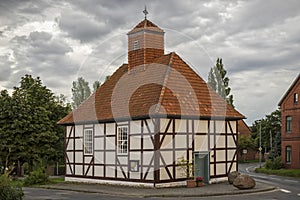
[
  {"x": 219, "y": 82},
  {"x": 245, "y": 142},
  {"x": 96, "y": 85},
  {"x": 80, "y": 92},
  {"x": 31, "y": 134},
  {"x": 270, "y": 132}
]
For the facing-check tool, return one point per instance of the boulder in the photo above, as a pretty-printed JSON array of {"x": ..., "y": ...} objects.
[
  {"x": 232, "y": 176},
  {"x": 243, "y": 182}
]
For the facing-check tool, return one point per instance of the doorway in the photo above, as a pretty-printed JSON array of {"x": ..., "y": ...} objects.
[{"x": 202, "y": 165}]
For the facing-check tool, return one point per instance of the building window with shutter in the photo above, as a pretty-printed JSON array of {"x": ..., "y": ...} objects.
[
  {"x": 122, "y": 140},
  {"x": 296, "y": 98},
  {"x": 288, "y": 124},
  {"x": 136, "y": 45},
  {"x": 88, "y": 141},
  {"x": 288, "y": 154}
]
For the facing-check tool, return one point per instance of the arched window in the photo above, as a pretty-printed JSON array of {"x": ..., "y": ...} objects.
[{"x": 288, "y": 154}]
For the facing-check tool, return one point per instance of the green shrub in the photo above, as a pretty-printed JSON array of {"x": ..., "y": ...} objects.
[
  {"x": 36, "y": 177},
  {"x": 274, "y": 164},
  {"x": 8, "y": 190}
]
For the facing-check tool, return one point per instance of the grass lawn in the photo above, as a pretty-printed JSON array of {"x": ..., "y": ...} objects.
[{"x": 280, "y": 172}]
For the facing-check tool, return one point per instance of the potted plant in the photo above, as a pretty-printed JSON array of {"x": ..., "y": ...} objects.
[
  {"x": 187, "y": 171},
  {"x": 199, "y": 181}
]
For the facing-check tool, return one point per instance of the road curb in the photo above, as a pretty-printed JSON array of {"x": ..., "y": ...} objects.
[{"x": 166, "y": 194}]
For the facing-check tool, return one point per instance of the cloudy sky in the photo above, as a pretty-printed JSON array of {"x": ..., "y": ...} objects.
[{"x": 60, "y": 40}]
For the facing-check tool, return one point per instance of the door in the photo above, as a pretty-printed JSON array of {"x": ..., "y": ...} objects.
[{"x": 201, "y": 165}]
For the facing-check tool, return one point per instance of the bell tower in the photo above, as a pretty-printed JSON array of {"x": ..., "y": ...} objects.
[{"x": 145, "y": 42}]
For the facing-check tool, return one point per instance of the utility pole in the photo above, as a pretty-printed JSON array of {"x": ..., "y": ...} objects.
[
  {"x": 260, "y": 144},
  {"x": 271, "y": 140}
]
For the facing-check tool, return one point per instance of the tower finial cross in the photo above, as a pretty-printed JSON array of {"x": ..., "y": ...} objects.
[{"x": 145, "y": 12}]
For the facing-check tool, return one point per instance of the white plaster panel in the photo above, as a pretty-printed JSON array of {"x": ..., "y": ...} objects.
[
  {"x": 211, "y": 169},
  {"x": 135, "y": 155},
  {"x": 79, "y": 144},
  {"x": 167, "y": 142},
  {"x": 68, "y": 171},
  {"x": 167, "y": 156},
  {"x": 148, "y": 142},
  {"x": 135, "y": 142},
  {"x": 90, "y": 172},
  {"x": 179, "y": 155},
  {"x": 110, "y": 172},
  {"x": 220, "y": 126},
  {"x": 151, "y": 126},
  {"x": 201, "y": 143},
  {"x": 233, "y": 126},
  {"x": 135, "y": 175},
  {"x": 110, "y": 143},
  {"x": 87, "y": 159},
  {"x": 221, "y": 155},
  {"x": 190, "y": 140},
  {"x": 98, "y": 145},
  {"x": 212, "y": 142},
  {"x": 180, "y": 126},
  {"x": 180, "y": 173},
  {"x": 98, "y": 171},
  {"x": 135, "y": 126},
  {"x": 79, "y": 131},
  {"x": 230, "y": 154},
  {"x": 201, "y": 126},
  {"x": 147, "y": 158},
  {"x": 230, "y": 141},
  {"x": 98, "y": 158},
  {"x": 70, "y": 144},
  {"x": 70, "y": 156},
  {"x": 212, "y": 128},
  {"x": 221, "y": 168},
  {"x": 123, "y": 160},
  {"x": 99, "y": 129},
  {"x": 164, "y": 124},
  {"x": 78, "y": 157},
  {"x": 110, "y": 128},
  {"x": 220, "y": 141},
  {"x": 150, "y": 175},
  {"x": 78, "y": 169},
  {"x": 110, "y": 158},
  {"x": 68, "y": 131},
  {"x": 180, "y": 141},
  {"x": 119, "y": 172},
  {"x": 163, "y": 174}
]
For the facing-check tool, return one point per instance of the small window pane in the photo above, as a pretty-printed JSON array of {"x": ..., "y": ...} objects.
[
  {"x": 288, "y": 154},
  {"x": 136, "y": 45},
  {"x": 288, "y": 124},
  {"x": 88, "y": 141},
  {"x": 296, "y": 98}
]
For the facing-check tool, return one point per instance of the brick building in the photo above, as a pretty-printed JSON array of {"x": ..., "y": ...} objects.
[{"x": 290, "y": 129}]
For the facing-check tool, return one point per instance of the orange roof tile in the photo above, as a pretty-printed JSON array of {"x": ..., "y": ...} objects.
[
  {"x": 166, "y": 87},
  {"x": 146, "y": 25}
]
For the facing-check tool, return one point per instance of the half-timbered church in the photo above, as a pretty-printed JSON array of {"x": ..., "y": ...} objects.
[{"x": 150, "y": 114}]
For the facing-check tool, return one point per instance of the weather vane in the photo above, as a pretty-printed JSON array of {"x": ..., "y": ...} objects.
[{"x": 145, "y": 12}]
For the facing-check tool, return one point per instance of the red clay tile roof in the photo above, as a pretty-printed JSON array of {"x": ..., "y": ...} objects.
[
  {"x": 146, "y": 25},
  {"x": 167, "y": 87}
]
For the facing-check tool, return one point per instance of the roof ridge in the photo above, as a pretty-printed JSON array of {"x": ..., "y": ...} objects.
[{"x": 163, "y": 89}]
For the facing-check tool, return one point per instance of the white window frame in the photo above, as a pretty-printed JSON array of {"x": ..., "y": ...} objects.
[
  {"x": 136, "y": 45},
  {"x": 122, "y": 140},
  {"x": 88, "y": 144}
]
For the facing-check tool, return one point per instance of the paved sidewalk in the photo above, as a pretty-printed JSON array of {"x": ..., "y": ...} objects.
[{"x": 218, "y": 189}]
